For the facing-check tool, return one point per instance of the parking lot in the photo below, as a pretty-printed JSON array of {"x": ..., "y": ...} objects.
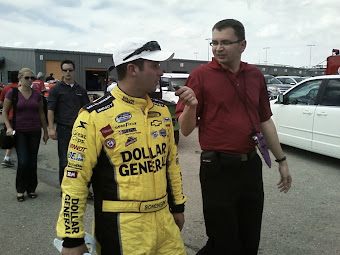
[{"x": 306, "y": 220}]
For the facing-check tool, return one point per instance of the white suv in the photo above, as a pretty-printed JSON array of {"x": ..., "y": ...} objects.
[{"x": 170, "y": 82}]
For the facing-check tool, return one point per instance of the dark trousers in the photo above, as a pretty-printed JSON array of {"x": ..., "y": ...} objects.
[
  {"x": 64, "y": 135},
  {"x": 232, "y": 192},
  {"x": 27, "y": 146}
]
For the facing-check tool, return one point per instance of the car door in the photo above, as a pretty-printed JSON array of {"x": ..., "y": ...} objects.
[
  {"x": 294, "y": 118},
  {"x": 326, "y": 130}
]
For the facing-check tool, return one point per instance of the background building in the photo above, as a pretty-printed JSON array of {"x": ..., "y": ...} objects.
[{"x": 91, "y": 67}]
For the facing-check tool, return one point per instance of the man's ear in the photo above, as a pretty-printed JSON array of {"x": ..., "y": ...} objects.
[{"x": 132, "y": 69}]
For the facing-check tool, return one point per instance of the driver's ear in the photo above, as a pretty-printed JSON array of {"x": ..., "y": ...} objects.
[{"x": 132, "y": 69}]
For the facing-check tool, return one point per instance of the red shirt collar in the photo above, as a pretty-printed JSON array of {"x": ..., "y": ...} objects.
[{"x": 215, "y": 65}]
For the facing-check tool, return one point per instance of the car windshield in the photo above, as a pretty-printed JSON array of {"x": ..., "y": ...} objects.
[
  {"x": 272, "y": 80},
  {"x": 170, "y": 83},
  {"x": 299, "y": 79}
]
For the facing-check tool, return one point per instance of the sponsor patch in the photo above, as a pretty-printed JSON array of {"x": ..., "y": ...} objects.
[
  {"x": 153, "y": 114},
  {"x": 124, "y": 116},
  {"x": 125, "y": 125},
  {"x": 162, "y": 132},
  {"x": 154, "y": 134},
  {"x": 82, "y": 124},
  {"x": 75, "y": 166},
  {"x": 157, "y": 102},
  {"x": 80, "y": 135},
  {"x": 130, "y": 140},
  {"x": 110, "y": 143},
  {"x": 166, "y": 119},
  {"x": 100, "y": 103},
  {"x": 156, "y": 123},
  {"x": 105, "y": 107},
  {"x": 129, "y": 130},
  {"x": 76, "y": 156},
  {"x": 128, "y": 100},
  {"x": 72, "y": 174},
  {"x": 106, "y": 131},
  {"x": 77, "y": 148}
]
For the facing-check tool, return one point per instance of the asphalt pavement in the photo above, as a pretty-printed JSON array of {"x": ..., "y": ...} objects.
[{"x": 304, "y": 221}]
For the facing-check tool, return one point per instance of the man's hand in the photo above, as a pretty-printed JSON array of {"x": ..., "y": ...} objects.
[
  {"x": 286, "y": 179},
  {"x": 179, "y": 219},
  {"x": 79, "y": 250},
  {"x": 187, "y": 96},
  {"x": 53, "y": 134}
]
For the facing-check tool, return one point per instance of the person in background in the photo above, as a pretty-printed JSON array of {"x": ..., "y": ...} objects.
[
  {"x": 38, "y": 84},
  {"x": 231, "y": 101},
  {"x": 7, "y": 162},
  {"x": 111, "y": 84},
  {"x": 49, "y": 78},
  {"x": 64, "y": 102},
  {"x": 29, "y": 120},
  {"x": 124, "y": 143}
]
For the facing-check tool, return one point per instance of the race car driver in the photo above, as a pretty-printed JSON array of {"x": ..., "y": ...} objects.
[{"x": 123, "y": 142}]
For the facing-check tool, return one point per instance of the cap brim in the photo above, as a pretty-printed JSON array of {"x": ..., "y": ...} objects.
[{"x": 153, "y": 56}]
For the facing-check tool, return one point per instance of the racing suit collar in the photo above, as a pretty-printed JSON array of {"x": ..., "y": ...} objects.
[{"x": 137, "y": 101}]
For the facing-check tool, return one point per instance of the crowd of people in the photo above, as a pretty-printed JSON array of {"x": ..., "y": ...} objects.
[{"x": 123, "y": 145}]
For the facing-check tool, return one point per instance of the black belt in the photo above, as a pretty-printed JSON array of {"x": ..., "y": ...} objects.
[{"x": 242, "y": 157}]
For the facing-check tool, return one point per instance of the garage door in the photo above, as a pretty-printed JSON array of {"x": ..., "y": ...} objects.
[{"x": 53, "y": 66}]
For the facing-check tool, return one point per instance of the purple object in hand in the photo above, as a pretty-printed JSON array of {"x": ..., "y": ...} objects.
[{"x": 262, "y": 146}]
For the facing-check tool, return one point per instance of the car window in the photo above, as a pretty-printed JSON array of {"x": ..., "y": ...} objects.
[
  {"x": 331, "y": 96},
  {"x": 304, "y": 94},
  {"x": 271, "y": 80}
]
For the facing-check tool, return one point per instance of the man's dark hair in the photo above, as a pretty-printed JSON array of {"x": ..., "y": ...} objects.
[
  {"x": 121, "y": 69},
  {"x": 231, "y": 23},
  {"x": 67, "y": 62},
  {"x": 51, "y": 74}
]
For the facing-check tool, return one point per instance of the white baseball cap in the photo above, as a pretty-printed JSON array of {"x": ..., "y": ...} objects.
[{"x": 136, "y": 48}]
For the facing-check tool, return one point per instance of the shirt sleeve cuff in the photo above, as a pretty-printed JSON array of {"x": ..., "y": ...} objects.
[
  {"x": 72, "y": 242},
  {"x": 177, "y": 208}
]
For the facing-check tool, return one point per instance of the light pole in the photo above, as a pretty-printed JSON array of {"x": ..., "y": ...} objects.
[
  {"x": 208, "y": 39},
  {"x": 310, "y": 54},
  {"x": 196, "y": 53},
  {"x": 266, "y": 49}
]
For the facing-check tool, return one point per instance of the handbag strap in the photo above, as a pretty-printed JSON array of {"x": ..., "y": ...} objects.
[
  {"x": 243, "y": 102},
  {"x": 14, "y": 103}
]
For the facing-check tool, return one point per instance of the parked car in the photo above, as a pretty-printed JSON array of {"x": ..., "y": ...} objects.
[
  {"x": 274, "y": 86},
  {"x": 308, "y": 115},
  {"x": 170, "y": 82},
  {"x": 291, "y": 80}
]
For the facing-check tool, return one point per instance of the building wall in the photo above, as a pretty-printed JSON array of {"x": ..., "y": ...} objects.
[{"x": 15, "y": 60}]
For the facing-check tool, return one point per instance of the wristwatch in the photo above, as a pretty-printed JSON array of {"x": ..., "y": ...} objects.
[{"x": 281, "y": 159}]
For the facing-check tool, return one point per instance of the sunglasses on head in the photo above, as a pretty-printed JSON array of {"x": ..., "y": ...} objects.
[
  {"x": 29, "y": 77},
  {"x": 65, "y": 70},
  {"x": 149, "y": 46}
]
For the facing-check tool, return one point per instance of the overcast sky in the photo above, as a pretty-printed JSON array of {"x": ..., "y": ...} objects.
[{"x": 284, "y": 27}]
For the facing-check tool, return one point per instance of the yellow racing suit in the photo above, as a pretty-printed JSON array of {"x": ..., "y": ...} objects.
[{"x": 125, "y": 147}]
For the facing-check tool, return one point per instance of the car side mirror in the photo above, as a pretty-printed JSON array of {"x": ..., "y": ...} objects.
[{"x": 280, "y": 99}]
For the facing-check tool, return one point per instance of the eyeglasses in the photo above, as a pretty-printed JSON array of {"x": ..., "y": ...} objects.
[
  {"x": 29, "y": 77},
  {"x": 223, "y": 43},
  {"x": 150, "y": 46},
  {"x": 65, "y": 70}
]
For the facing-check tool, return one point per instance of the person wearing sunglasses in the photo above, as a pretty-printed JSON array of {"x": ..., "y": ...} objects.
[
  {"x": 29, "y": 120},
  {"x": 64, "y": 101},
  {"x": 124, "y": 144},
  {"x": 230, "y": 99}
]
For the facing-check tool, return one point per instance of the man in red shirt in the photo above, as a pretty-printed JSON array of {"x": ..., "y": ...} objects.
[
  {"x": 230, "y": 99},
  {"x": 7, "y": 159},
  {"x": 38, "y": 84}
]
